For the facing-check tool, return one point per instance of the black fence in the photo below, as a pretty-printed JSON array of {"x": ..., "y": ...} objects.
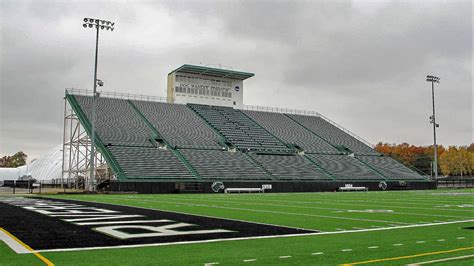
[
  {"x": 38, "y": 186},
  {"x": 456, "y": 182}
]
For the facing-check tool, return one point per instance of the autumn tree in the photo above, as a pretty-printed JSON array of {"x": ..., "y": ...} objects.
[{"x": 457, "y": 161}]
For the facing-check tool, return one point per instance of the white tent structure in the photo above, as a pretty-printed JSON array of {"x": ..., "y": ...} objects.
[{"x": 47, "y": 167}]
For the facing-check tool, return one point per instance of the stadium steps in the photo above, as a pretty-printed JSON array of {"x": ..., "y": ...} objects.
[
  {"x": 289, "y": 167},
  {"x": 176, "y": 152},
  {"x": 390, "y": 168},
  {"x": 291, "y": 132},
  {"x": 268, "y": 132},
  {"x": 334, "y": 135},
  {"x": 223, "y": 140},
  {"x": 345, "y": 167},
  {"x": 371, "y": 167},
  {"x": 179, "y": 125},
  {"x": 111, "y": 161},
  {"x": 319, "y": 167},
  {"x": 314, "y": 133},
  {"x": 224, "y": 165},
  {"x": 238, "y": 129},
  {"x": 250, "y": 158}
]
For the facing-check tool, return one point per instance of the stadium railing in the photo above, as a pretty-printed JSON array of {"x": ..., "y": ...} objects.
[
  {"x": 308, "y": 113},
  {"x": 118, "y": 95},
  {"x": 129, "y": 96}
]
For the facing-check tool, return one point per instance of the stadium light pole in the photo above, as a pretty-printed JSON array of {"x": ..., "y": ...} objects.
[
  {"x": 433, "y": 80},
  {"x": 98, "y": 24}
]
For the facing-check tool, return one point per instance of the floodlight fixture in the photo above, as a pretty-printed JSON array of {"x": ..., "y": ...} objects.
[{"x": 430, "y": 78}]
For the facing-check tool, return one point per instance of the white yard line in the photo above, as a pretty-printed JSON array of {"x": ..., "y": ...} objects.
[
  {"x": 247, "y": 238},
  {"x": 278, "y": 212},
  {"x": 391, "y": 205},
  {"x": 442, "y": 260}
]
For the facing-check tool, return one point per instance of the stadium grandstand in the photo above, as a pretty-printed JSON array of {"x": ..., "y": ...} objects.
[{"x": 203, "y": 134}]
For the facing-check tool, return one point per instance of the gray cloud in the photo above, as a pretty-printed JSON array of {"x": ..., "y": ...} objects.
[{"x": 361, "y": 63}]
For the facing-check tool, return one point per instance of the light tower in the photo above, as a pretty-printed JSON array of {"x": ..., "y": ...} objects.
[
  {"x": 98, "y": 24},
  {"x": 433, "y": 80}
]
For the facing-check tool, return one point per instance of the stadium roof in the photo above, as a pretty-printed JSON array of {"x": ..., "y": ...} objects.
[{"x": 216, "y": 72}]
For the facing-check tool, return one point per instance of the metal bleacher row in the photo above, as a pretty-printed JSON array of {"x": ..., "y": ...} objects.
[{"x": 162, "y": 141}]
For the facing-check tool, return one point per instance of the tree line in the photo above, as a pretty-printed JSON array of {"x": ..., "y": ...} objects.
[{"x": 452, "y": 161}]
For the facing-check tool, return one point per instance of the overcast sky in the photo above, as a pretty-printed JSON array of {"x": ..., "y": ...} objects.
[{"x": 361, "y": 63}]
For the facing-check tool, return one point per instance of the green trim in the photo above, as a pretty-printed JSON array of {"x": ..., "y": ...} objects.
[
  {"x": 258, "y": 164},
  {"x": 373, "y": 169},
  {"x": 320, "y": 168},
  {"x": 314, "y": 133},
  {"x": 258, "y": 125},
  {"x": 151, "y": 179},
  {"x": 413, "y": 169},
  {"x": 210, "y": 71},
  {"x": 157, "y": 134},
  {"x": 219, "y": 134},
  {"x": 98, "y": 143}
]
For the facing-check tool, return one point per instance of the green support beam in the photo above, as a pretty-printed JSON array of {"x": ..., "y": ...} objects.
[
  {"x": 176, "y": 152},
  {"x": 98, "y": 143}
]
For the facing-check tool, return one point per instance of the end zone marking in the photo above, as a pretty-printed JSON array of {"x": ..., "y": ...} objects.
[
  {"x": 409, "y": 256},
  {"x": 20, "y": 247}
]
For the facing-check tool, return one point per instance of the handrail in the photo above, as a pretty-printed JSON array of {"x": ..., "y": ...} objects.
[
  {"x": 308, "y": 113},
  {"x": 118, "y": 95}
]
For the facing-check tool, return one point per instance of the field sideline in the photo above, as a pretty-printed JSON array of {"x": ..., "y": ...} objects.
[{"x": 397, "y": 227}]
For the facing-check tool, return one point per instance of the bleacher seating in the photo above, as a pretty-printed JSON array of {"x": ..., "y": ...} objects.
[
  {"x": 344, "y": 167},
  {"x": 149, "y": 163},
  {"x": 239, "y": 129},
  {"x": 289, "y": 167},
  {"x": 267, "y": 144},
  {"x": 291, "y": 132},
  {"x": 389, "y": 167},
  {"x": 179, "y": 125},
  {"x": 223, "y": 165},
  {"x": 332, "y": 134},
  {"x": 117, "y": 123}
]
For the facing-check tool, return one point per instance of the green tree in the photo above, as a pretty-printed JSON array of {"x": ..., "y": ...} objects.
[{"x": 16, "y": 160}]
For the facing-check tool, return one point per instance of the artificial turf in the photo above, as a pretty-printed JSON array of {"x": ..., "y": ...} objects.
[{"x": 348, "y": 218}]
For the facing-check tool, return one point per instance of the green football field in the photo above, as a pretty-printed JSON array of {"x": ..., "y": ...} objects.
[{"x": 394, "y": 228}]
